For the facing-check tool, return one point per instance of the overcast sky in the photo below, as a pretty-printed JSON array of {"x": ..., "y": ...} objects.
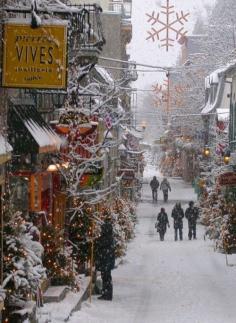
[{"x": 149, "y": 52}]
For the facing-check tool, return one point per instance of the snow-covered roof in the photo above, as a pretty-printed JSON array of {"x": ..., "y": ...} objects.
[
  {"x": 50, "y": 21},
  {"x": 213, "y": 78},
  {"x": 211, "y": 106},
  {"x": 50, "y": 6}
]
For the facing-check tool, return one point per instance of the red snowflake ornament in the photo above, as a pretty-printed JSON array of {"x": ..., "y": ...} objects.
[{"x": 176, "y": 95}]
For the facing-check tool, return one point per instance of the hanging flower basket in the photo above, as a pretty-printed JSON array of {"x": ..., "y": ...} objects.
[
  {"x": 84, "y": 128},
  {"x": 63, "y": 129}
]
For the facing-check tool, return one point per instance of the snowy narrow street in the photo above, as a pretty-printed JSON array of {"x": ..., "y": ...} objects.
[
  {"x": 106, "y": 108},
  {"x": 167, "y": 282}
]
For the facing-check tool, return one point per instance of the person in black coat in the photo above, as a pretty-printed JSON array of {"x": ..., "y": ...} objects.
[
  {"x": 154, "y": 187},
  {"x": 162, "y": 222},
  {"x": 178, "y": 215},
  {"x": 105, "y": 258},
  {"x": 191, "y": 215}
]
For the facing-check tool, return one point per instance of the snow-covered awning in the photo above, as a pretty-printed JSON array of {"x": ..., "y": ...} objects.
[
  {"x": 42, "y": 133},
  {"x": 223, "y": 115},
  {"x": 5, "y": 150}
]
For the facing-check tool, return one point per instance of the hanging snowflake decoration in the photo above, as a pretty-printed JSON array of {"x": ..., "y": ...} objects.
[
  {"x": 167, "y": 26},
  {"x": 176, "y": 96}
]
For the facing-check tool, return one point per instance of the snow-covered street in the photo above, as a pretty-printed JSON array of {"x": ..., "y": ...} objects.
[{"x": 167, "y": 282}]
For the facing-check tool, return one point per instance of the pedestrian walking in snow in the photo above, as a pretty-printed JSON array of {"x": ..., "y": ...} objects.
[
  {"x": 178, "y": 215},
  {"x": 165, "y": 188},
  {"x": 154, "y": 187},
  {"x": 105, "y": 258},
  {"x": 162, "y": 223},
  {"x": 192, "y": 215}
]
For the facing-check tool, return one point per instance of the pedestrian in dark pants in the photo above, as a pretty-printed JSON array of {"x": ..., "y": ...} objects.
[
  {"x": 165, "y": 188},
  {"x": 162, "y": 222},
  {"x": 105, "y": 258},
  {"x": 178, "y": 215},
  {"x": 192, "y": 215},
  {"x": 154, "y": 187}
]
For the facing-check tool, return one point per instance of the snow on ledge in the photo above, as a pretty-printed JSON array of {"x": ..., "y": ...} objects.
[{"x": 5, "y": 147}]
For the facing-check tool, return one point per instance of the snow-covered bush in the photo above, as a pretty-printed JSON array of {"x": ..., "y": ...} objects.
[
  {"x": 57, "y": 257},
  {"x": 23, "y": 269},
  {"x": 124, "y": 218}
]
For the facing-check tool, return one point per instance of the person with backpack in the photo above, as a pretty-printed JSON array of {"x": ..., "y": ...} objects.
[
  {"x": 165, "y": 187},
  {"x": 154, "y": 187},
  {"x": 192, "y": 215},
  {"x": 162, "y": 223},
  {"x": 178, "y": 215}
]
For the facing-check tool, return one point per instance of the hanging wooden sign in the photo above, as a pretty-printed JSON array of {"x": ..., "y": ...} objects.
[
  {"x": 34, "y": 57},
  {"x": 227, "y": 179}
]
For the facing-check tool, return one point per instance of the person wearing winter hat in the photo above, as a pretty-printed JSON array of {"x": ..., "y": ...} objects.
[{"x": 192, "y": 215}]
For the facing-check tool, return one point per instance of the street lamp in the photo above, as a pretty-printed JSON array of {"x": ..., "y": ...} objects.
[
  {"x": 206, "y": 151},
  {"x": 227, "y": 157}
]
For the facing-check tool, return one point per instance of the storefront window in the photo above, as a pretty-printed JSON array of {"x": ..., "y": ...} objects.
[{"x": 20, "y": 193}]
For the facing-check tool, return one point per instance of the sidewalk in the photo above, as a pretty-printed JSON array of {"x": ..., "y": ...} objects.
[{"x": 61, "y": 311}]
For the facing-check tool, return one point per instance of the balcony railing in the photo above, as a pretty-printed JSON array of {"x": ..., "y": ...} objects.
[
  {"x": 87, "y": 28},
  {"x": 122, "y": 7}
]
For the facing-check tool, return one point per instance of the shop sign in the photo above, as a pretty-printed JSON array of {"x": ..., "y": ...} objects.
[
  {"x": 227, "y": 179},
  {"x": 34, "y": 57}
]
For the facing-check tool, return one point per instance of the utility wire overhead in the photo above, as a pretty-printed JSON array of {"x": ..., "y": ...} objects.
[
  {"x": 164, "y": 69},
  {"x": 127, "y": 69},
  {"x": 134, "y": 63}
]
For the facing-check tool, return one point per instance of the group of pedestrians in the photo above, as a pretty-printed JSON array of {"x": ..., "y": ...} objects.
[
  {"x": 164, "y": 187},
  {"x": 191, "y": 214}
]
